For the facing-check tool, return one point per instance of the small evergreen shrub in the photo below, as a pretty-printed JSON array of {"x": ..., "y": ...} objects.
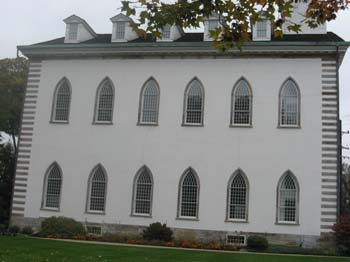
[
  {"x": 2, "y": 229},
  {"x": 342, "y": 234},
  {"x": 61, "y": 227},
  {"x": 257, "y": 243},
  {"x": 14, "y": 230},
  {"x": 27, "y": 230},
  {"x": 159, "y": 232}
]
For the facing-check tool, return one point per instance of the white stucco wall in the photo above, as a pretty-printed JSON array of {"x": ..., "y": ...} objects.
[{"x": 215, "y": 151}]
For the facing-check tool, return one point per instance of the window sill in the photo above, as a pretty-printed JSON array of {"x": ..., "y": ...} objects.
[
  {"x": 141, "y": 215},
  {"x": 192, "y": 125},
  {"x": 50, "y": 209},
  {"x": 59, "y": 122},
  {"x": 236, "y": 221},
  {"x": 240, "y": 126},
  {"x": 289, "y": 127},
  {"x": 147, "y": 124},
  {"x": 102, "y": 123},
  {"x": 188, "y": 218},
  {"x": 95, "y": 213},
  {"x": 282, "y": 223}
]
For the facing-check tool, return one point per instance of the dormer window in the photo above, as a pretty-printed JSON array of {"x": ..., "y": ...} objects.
[
  {"x": 120, "y": 30},
  {"x": 166, "y": 32},
  {"x": 210, "y": 23},
  {"x": 213, "y": 24},
  {"x": 261, "y": 29},
  {"x": 73, "y": 32}
]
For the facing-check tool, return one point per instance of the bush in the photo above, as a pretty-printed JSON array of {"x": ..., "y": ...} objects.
[
  {"x": 342, "y": 233},
  {"x": 257, "y": 243},
  {"x": 2, "y": 229},
  {"x": 157, "y": 231},
  {"x": 27, "y": 230},
  {"x": 14, "y": 230},
  {"x": 61, "y": 227}
]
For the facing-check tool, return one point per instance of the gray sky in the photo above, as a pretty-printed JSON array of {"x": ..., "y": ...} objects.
[{"x": 31, "y": 21}]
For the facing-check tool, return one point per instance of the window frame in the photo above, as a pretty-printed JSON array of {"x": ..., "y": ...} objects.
[
  {"x": 280, "y": 124},
  {"x": 89, "y": 187},
  {"x": 297, "y": 200},
  {"x": 44, "y": 193},
  {"x": 228, "y": 200},
  {"x": 185, "y": 104},
  {"x": 97, "y": 102},
  {"x": 258, "y": 29},
  {"x": 167, "y": 29},
  {"x": 70, "y": 31},
  {"x": 233, "y": 101},
  {"x": 141, "y": 103},
  {"x": 134, "y": 192},
  {"x": 179, "y": 201},
  {"x": 63, "y": 81}
]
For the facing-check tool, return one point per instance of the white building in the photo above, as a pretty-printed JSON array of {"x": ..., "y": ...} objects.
[{"x": 119, "y": 132}]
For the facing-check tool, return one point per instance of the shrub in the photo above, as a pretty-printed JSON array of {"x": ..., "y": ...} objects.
[
  {"x": 27, "y": 230},
  {"x": 342, "y": 233},
  {"x": 157, "y": 231},
  {"x": 2, "y": 229},
  {"x": 257, "y": 242},
  {"x": 61, "y": 226},
  {"x": 14, "y": 230}
]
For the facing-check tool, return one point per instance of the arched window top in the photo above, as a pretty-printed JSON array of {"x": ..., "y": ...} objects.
[
  {"x": 241, "y": 111},
  {"x": 104, "y": 102},
  {"x": 61, "y": 101},
  {"x": 188, "y": 205},
  {"x": 239, "y": 179},
  {"x": 149, "y": 103},
  {"x": 194, "y": 103},
  {"x": 52, "y": 187},
  {"x": 97, "y": 190},
  {"x": 142, "y": 193},
  {"x": 288, "y": 199},
  {"x": 289, "y": 112}
]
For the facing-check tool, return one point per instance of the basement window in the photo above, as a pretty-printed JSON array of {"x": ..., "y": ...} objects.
[
  {"x": 239, "y": 240},
  {"x": 94, "y": 230}
]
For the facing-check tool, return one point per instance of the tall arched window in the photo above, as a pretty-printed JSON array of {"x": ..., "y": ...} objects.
[
  {"x": 289, "y": 115},
  {"x": 104, "y": 102},
  {"x": 61, "y": 102},
  {"x": 194, "y": 103},
  {"x": 189, "y": 195},
  {"x": 149, "y": 103},
  {"x": 288, "y": 199},
  {"x": 52, "y": 188},
  {"x": 97, "y": 190},
  {"x": 241, "y": 111},
  {"x": 142, "y": 193},
  {"x": 237, "y": 206}
]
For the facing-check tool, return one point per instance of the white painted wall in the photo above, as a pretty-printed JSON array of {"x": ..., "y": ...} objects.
[{"x": 215, "y": 151}]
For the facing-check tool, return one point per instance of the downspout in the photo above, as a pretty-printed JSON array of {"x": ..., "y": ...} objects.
[{"x": 339, "y": 134}]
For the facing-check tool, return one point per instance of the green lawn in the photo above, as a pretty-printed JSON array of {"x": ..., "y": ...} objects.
[{"x": 29, "y": 249}]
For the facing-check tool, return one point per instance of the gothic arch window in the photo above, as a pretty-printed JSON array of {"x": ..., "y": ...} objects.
[
  {"x": 142, "y": 193},
  {"x": 188, "y": 195},
  {"x": 241, "y": 111},
  {"x": 61, "y": 102},
  {"x": 194, "y": 104},
  {"x": 149, "y": 103},
  {"x": 288, "y": 199},
  {"x": 237, "y": 197},
  {"x": 289, "y": 104},
  {"x": 97, "y": 190},
  {"x": 104, "y": 102},
  {"x": 52, "y": 187}
]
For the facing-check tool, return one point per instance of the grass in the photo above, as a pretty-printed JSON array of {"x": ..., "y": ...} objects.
[{"x": 13, "y": 249}]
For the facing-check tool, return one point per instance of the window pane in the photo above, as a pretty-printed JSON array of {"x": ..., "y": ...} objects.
[
  {"x": 97, "y": 191},
  {"x": 241, "y": 104},
  {"x": 289, "y": 104},
  {"x": 143, "y": 193},
  {"x": 287, "y": 201},
  {"x": 73, "y": 32},
  {"x": 53, "y": 188},
  {"x": 238, "y": 198},
  {"x": 150, "y": 101},
  {"x": 166, "y": 32},
  {"x": 62, "y": 102},
  {"x": 105, "y": 103},
  {"x": 120, "y": 30},
  {"x": 189, "y": 194},
  {"x": 194, "y": 104},
  {"x": 261, "y": 29}
]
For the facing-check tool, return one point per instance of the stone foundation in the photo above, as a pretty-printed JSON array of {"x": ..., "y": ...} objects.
[{"x": 306, "y": 241}]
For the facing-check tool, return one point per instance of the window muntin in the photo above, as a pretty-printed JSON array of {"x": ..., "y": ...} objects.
[
  {"x": 143, "y": 186},
  {"x": 194, "y": 103},
  {"x": 241, "y": 104},
  {"x": 52, "y": 188},
  {"x": 120, "y": 30},
  {"x": 238, "y": 197},
  {"x": 189, "y": 196},
  {"x": 239, "y": 240},
  {"x": 97, "y": 190},
  {"x": 61, "y": 104},
  {"x": 104, "y": 102},
  {"x": 261, "y": 29},
  {"x": 149, "y": 103},
  {"x": 288, "y": 193},
  {"x": 166, "y": 32},
  {"x": 289, "y": 104},
  {"x": 73, "y": 32}
]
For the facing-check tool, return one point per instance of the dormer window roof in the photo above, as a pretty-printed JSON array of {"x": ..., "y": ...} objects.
[
  {"x": 78, "y": 30},
  {"x": 122, "y": 31}
]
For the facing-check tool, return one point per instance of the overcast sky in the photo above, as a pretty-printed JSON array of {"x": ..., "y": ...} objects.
[{"x": 31, "y": 21}]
